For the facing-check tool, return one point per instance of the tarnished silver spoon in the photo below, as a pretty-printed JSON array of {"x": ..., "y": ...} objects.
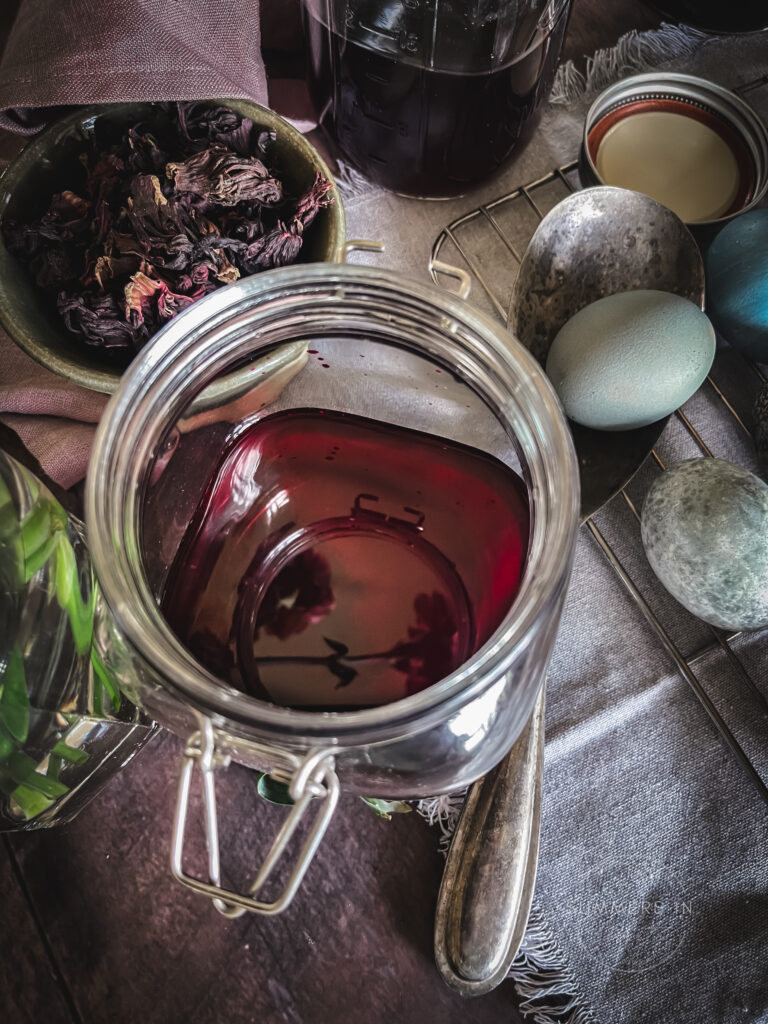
[{"x": 487, "y": 888}]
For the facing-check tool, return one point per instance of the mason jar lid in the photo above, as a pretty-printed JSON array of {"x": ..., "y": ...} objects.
[{"x": 688, "y": 143}]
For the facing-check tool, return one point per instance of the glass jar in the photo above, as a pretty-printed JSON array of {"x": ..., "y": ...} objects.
[
  {"x": 65, "y": 729},
  {"x": 427, "y": 98},
  {"x": 377, "y": 345}
]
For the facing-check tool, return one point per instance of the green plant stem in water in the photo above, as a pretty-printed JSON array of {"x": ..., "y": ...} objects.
[{"x": 44, "y": 542}]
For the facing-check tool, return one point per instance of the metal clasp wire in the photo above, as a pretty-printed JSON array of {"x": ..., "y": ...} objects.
[
  {"x": 449, "y": 270},
  {"x": 435, "y": 266},
  {"x": 315, "y": 778},
  {"x": 358, "y": 245}
]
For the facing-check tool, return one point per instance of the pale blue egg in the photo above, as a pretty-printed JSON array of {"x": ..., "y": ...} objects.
[
  {"x": 737, "y": 284},
  {"x": 705, "y": 532},
  {"x": 630, "y": 359}
]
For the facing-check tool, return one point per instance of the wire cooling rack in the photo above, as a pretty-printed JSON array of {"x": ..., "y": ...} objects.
[{"x": 483, "y": 240}]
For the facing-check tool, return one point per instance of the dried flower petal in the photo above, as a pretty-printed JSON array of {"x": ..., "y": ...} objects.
[
  {"x": 107, "y": 268},
  {"x": 275, "y": 249},
  {"x": 99, "y": 320},
  {"x": 145, "y": 156},
  {"x": 104, "y": 176},
  {"x": 204, "y": 125},
  {"x": 150, "y": 297},
  {"x": 138, "y": 292},
  {"x": 314, "y": 200},
  {"x": 225, "y": 178}
]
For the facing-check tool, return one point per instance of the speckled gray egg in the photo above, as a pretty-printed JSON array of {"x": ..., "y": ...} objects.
[
  {"x": 630, "y": 359},
  {"x": 705, "y": 532}
]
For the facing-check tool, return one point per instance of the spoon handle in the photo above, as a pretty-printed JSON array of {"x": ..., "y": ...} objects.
[{"x": 485, "y": 896}]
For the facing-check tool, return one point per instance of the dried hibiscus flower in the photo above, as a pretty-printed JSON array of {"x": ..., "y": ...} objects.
[
  {"x": 161, "y": 222},
  {"x": 223, "y": 178}
]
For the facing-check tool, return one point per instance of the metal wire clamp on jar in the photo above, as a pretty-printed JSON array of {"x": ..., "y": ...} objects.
[{"x": 435, "y": 741}]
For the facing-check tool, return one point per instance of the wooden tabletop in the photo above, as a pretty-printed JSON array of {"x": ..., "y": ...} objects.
[{"x": 94, "y": 930}]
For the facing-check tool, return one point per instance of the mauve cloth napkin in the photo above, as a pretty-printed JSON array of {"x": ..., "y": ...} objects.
[
  {"x": 54, "y": 418},
  {"x": 103, "y": 51}
]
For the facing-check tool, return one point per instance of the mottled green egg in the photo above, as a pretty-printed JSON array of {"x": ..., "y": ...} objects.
[
  {"x": 705, "y": 532},
  {"x": 630, "y": 359}
]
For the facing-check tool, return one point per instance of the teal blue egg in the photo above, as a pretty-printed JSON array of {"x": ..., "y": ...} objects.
[
  {"x": 630, "y": 359},
  {"x": 737, "y": 284}
]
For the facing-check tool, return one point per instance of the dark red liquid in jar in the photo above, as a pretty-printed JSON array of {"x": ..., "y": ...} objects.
[
  {"x": 336, "y": 562},
  {"x": 420, "y": 129}
]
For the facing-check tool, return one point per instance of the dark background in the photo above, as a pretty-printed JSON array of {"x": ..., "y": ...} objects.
[{"x": 94, "y": 930}]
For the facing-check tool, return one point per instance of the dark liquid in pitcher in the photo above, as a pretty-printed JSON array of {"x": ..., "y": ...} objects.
[
  {"x": 336, "y": 562},
  {"x": 420, "y": 130}
]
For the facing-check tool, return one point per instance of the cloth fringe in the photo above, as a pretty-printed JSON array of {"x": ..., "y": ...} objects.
[
  {"x": 444, "y": 812},
  {"x": 351, "y": 183},
  {"x": 635, "y": 52},
  {"x": 544, "y": 982}
]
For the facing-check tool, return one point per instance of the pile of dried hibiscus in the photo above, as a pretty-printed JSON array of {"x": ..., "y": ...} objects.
[{"x": 162, "y": 223}]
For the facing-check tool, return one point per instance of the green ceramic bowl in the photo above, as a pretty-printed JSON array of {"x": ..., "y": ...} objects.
[{"x": 50, "y": 164}]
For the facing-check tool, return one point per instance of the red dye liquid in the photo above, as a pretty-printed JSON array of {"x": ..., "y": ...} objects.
[{"x": 335, "y": 562}]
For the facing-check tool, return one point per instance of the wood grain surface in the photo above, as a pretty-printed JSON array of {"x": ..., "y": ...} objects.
[{"x": 94, "y": 930}]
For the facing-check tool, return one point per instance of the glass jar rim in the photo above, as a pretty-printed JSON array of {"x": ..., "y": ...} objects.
[{"x": 194, "y": 344}]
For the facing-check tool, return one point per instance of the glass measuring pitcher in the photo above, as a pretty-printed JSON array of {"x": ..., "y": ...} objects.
[
  {"x": 427, "y": 97},
  {"x": 65, "y": 728}
]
